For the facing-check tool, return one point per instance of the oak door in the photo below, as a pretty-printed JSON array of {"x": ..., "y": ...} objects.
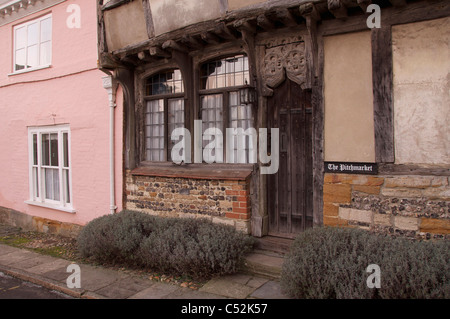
[{"x": 290, "y": 193}]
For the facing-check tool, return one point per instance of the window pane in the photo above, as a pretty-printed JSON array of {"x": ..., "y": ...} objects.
[
  {"x": 48, "y": 183},
  {"x": 66, "y": 149},
  {"x": 33, "y": 34},
  {"x": 212, "y": 110},
  {"x": 155, "y": 130},
  {"x": 66, "y": 186},
  {"x": 21, "y": 38},
  {"x": 246, "y": 78},
  {"x": 245, "y": 61},
  {"x": 35, "y": 182},
  {"x": 224, "y": 73},
  {"x": 46, "y": 29},
  {"x": 164, "y": 83},
  {"x": 177, "y": 75},
  {"x": 175, "y": 120},
  {"x": 230, "y": 65},
  {"x": 55, "y": 184},
  {"x": 35, "y": 150},
  {"x": 32, "y": 56},
  {"x": 240, "y": 117},
  {"x": 239, "y": 65},
  {"x": 20, "y": 59},
  {"x": 52, "y": 183},
  {"x": 54, "y": 149},
  {"x": 239, "y": 78},
  {"x": 45, "y": 149},
  {"x": 46, "y": 53}
]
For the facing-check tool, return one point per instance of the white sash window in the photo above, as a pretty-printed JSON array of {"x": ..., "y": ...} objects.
[{"x": 50, "y": 174}]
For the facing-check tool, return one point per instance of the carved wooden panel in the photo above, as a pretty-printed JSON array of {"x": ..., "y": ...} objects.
[{"x": 284, "y": 58}]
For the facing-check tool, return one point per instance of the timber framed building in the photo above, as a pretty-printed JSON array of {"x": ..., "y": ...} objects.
[{"x": 342, "y": 95}]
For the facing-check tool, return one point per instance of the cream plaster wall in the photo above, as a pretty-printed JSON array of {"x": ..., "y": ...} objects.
[
  {"x": 125, "y": 25},
  {"x": 349, "y": 129},
  {"x": 170, "y": 15},
  {"x": 421, "y": 61},
  {"x": 238, "y": 4}
]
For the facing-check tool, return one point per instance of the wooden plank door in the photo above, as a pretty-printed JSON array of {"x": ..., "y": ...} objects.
[{"x": 290, "y": 189}]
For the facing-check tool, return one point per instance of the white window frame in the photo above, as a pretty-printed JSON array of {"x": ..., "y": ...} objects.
[
  {"x": 37, "y": 190},
  {"x": 39, "y": 43}
]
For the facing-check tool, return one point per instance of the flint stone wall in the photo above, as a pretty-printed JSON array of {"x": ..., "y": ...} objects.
[
  {"x": 222, "y": 201},
  {"x": 412, "y": 206}
]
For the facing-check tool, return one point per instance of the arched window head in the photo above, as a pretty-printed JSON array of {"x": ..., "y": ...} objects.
[
  {"x": 163, "y": 112},
  {"x": 169, "y": 82},
  {"x": 226, "y": 72}
]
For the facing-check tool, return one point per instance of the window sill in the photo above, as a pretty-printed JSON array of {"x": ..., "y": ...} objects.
[
  {"x": 235, "y": 172},
  {"x": 30, "y": 69},
  {"x": 51, "y": 206}
]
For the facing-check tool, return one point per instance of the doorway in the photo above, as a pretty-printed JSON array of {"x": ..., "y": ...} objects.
[{"x": 290, "y": 190}]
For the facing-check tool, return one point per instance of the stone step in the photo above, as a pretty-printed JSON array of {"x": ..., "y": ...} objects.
[
  {"x": 274, "y": 244},
  {"x": 263, "y": 264}
]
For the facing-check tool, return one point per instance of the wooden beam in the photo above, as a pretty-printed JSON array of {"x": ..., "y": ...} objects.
[
  {"x": 318, "y": 106},
  {"x": 192, "y": 42},
  {"x": 130, "y": 60},
  {"x": 250, "y": 48},
  {"x": 309, "y": 10},
  {"x": 414, "y": 169},
  {"x": 337, "y": 8},
  {"x": 148, "y": 18},
  {"x": 265, "y": 23},
  {"x": 413, "y": 12},
  {"x": 171, "y": 44},
  {"x": 398, "y": 3},
  {"x": 108, "y": 61},
  {"x": 224, "y": 32},
  {"x": 145, "y": 56},
  {"x": 311, "y": 15},
  {"x": 244, "y": 25},
  {"x": 210, "y": 38},
  {"x": 157, "y": 51},
  {"x": 286, "y": 17},
  {"x": 363, "y": 4},
  {"x": 382, "y": 78},
  {"x": 126, "y": 79}
]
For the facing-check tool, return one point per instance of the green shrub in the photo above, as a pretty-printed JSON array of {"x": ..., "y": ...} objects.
[
  {"x": 194, "y": 247},
  {"x": 416, "y": 270},
  {"x": 331, "y": 263},
  {"x": 115, "y": 238}
]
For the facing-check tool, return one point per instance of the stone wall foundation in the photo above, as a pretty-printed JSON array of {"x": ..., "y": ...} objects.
[
  {"x": 222, "y": 201},
  {"x": 409, "y": 205},
  {"x": 33, "y": 223}
]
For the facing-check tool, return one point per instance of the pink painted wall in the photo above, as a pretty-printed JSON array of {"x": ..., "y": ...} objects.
[{"x": 70, "y": 92}]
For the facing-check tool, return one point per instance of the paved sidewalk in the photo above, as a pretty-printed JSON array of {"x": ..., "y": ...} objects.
[{"x": 103, "y": 283}]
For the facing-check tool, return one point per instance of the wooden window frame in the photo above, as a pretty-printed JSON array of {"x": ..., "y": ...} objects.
[
  {"x": 225, "y": 91},
  {"x": 165, "y": 97}
]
